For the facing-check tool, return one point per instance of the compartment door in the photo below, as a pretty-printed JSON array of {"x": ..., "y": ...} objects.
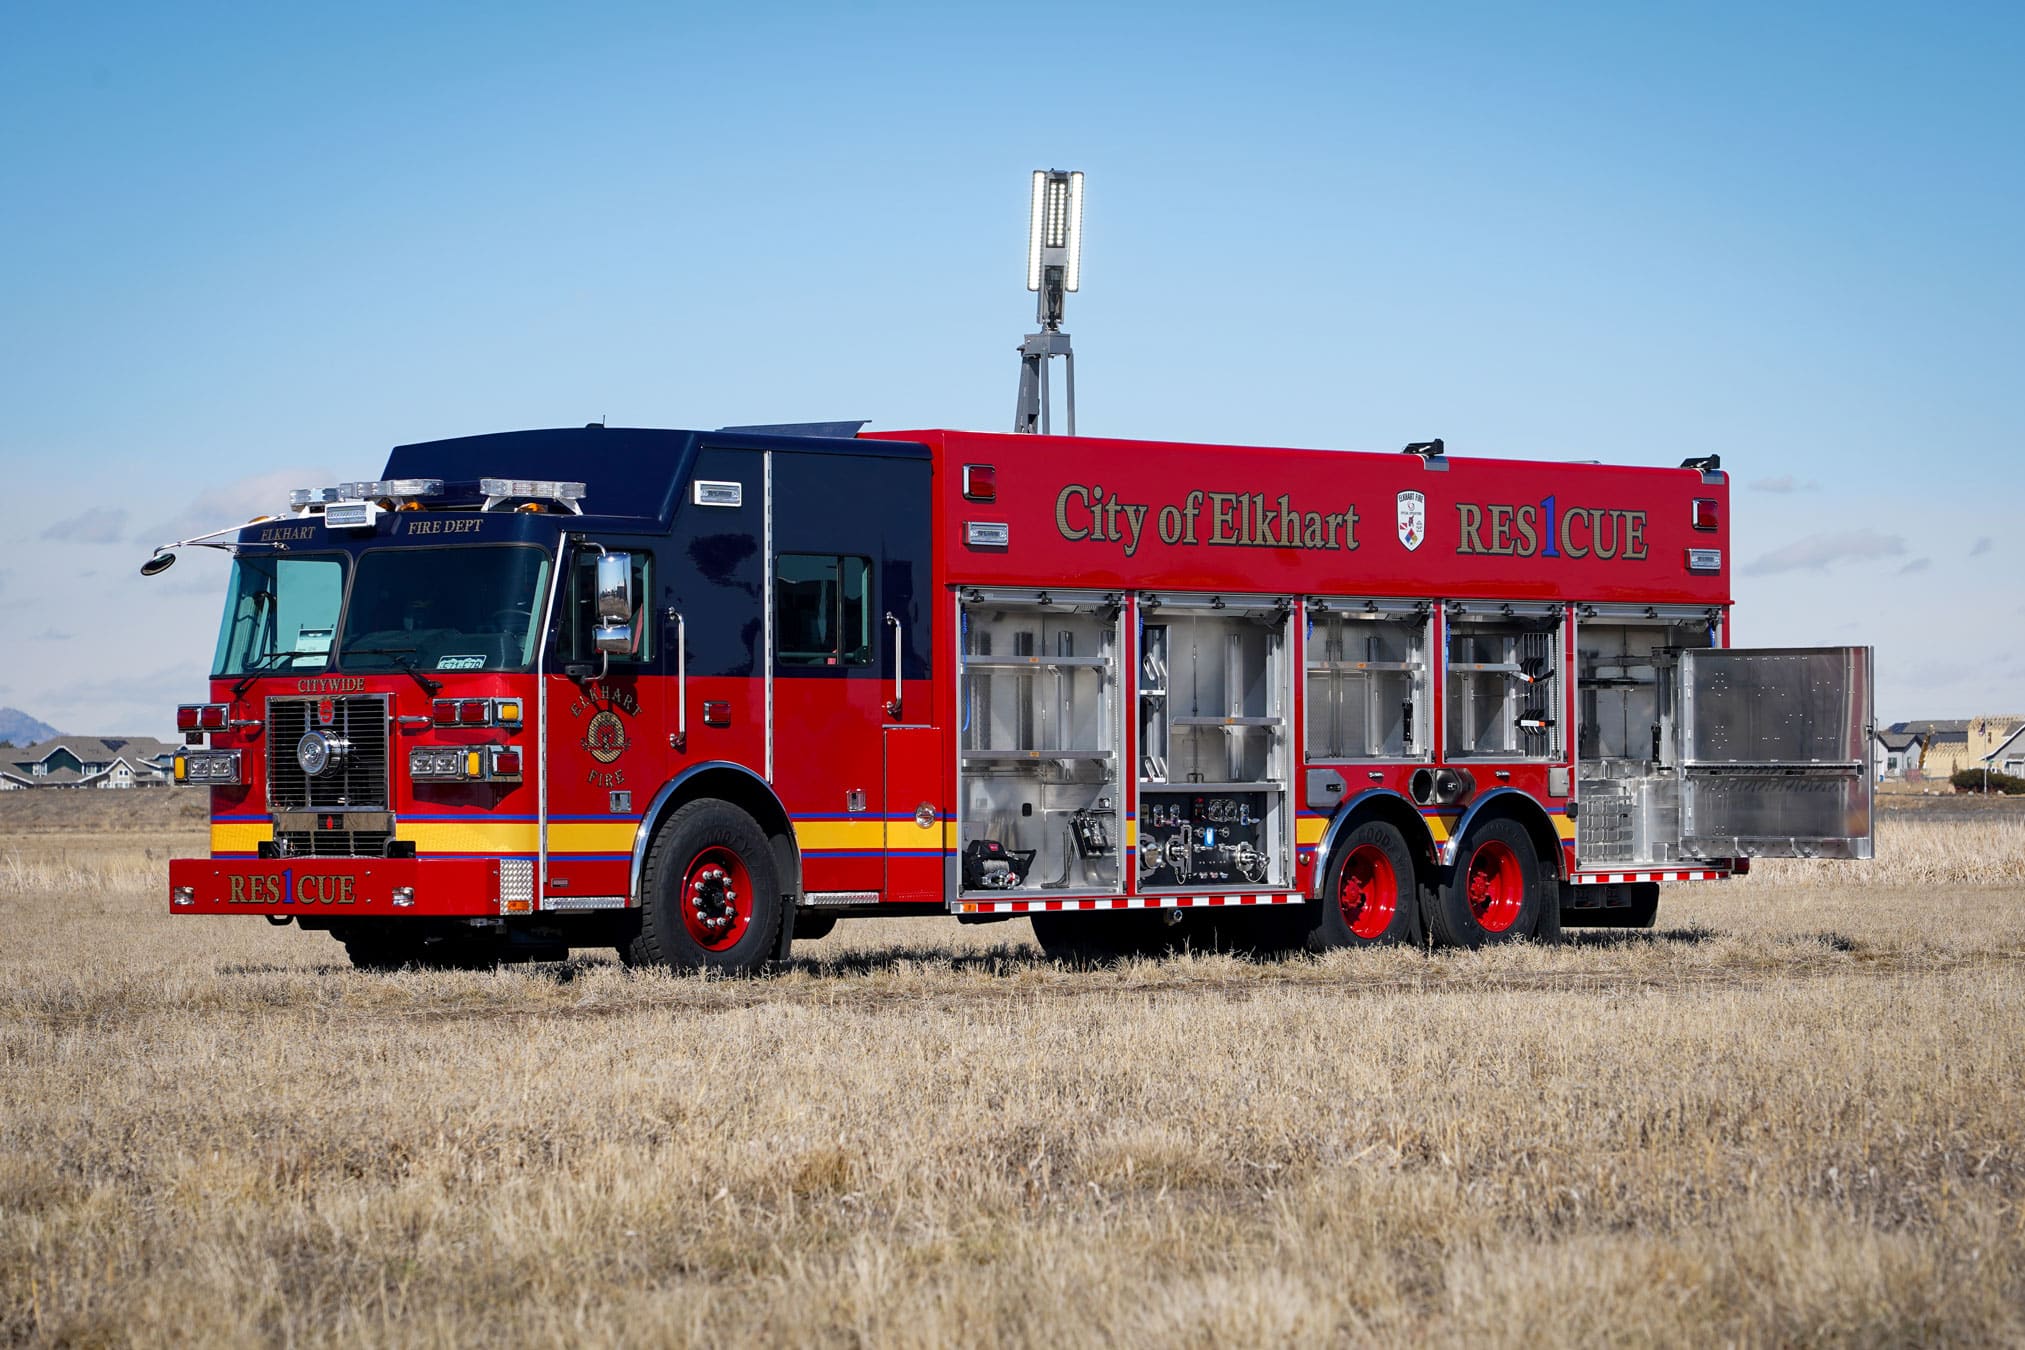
[{"x": 1775, "y": 752}]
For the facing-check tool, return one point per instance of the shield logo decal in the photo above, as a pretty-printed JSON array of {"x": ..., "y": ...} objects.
[
  {"x": 1412, "y": 519},
  {"x": 326, "y": 711}
]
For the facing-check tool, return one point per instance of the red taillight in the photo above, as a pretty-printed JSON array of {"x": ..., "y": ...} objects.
[
  {"x": 186, "y": 717},
  {"x": 980, "y": 482},
  {"x": 474, "y": 712},
  {"x": 1707, "y": 517},
  {"x": 506, "y": 761},
  {"x": 202, "y": 716}
]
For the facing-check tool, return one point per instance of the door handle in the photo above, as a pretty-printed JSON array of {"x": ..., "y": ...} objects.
[
  {"x": 680, "y": 740},
  {"x": 893, "y": 708}
]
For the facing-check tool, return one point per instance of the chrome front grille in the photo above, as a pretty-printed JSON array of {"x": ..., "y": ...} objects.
[
  {"x": 332, "y": 843},
  {"x": 357, "y": 782}
]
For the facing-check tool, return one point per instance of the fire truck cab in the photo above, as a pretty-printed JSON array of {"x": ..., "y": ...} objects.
[{"x": 694, "y": 694}]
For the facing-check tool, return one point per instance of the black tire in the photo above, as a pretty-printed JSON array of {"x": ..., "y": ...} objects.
[
  {"x": 701, "y": 838},
  {"x": 1083, "y": 937},
  {"x": 1510, "y": 899},
  {"x": 1383, "y": 891},
  {"x": 1642, "y": 912}
]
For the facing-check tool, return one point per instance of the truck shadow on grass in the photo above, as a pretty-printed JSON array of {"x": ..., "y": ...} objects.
[{"x": 1004, "y": 961}]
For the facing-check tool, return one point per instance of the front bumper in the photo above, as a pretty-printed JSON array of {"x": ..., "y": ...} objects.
[{"x": 351, "y": 887}]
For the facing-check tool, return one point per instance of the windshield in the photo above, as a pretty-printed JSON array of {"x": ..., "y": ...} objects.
[
  {"x": 444, "y": 609},
  {"x": 280, "y": 614}
]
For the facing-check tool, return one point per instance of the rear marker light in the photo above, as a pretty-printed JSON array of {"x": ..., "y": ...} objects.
[
  {"x": 1704, "y": 560},
  {"x": 986, "y": 534},
  {"x": 1706, "y": 516},
  {"x": 980, "y": 482},
  {"x": 506, "y": 763}
]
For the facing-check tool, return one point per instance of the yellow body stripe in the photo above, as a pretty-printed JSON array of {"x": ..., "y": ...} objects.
[
  {"x": 240, "y": 838},
  {"x": 477, "y": 836},
  {"x": 591, "y": 836},
  {"x": 856, "y": 836}
]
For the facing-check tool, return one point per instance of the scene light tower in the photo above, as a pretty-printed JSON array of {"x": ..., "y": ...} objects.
[{"x": 1054, "y": 268}]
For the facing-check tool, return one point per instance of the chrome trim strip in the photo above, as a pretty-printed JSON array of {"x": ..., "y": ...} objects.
[
  {"x": 818, "y": 898},
  {"x": 766, "y": 593},
  {"x": 555, "y": 582}
]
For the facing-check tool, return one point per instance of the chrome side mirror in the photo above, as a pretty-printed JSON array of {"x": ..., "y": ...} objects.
[
  {"x": 613, "y": 639},
  {"x": 615, "y": 590}
]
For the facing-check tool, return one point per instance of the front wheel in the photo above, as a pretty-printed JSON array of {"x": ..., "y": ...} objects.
[
  {"x": 1368, "y": 892},
  {"x": 711, "y": 898},
  {"x": 1493, "y": 893}
]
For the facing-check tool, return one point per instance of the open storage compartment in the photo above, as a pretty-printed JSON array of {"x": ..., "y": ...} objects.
[
  {"x": 1039, "y": 802},
  {"x": 1627, "y": 669},
  {"x": 1366, "y": 669},
  {"x": 1214, "y": 695},
  {"x": 1504, "y": 681}
]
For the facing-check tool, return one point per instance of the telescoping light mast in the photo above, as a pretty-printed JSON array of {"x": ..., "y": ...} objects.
[{"x": 1054, "y": 268}]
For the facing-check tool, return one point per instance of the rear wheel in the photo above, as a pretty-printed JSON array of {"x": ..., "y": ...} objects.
[
  {"x": 710, "y": 895},
  {"x": 1493, "y": 893},
  {"x": 1368, "y": 892}
]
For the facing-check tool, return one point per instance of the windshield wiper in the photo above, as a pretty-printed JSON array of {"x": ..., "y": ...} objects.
[
  {"x": 429, "y": 686},
  {"x": 259, "y": 668}
]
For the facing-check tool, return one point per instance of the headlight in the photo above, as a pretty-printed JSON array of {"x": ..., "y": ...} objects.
[{"x": 211, "y": 768}]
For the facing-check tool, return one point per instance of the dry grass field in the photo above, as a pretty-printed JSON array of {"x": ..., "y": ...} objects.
[{"x": 1794, "y": 1114}]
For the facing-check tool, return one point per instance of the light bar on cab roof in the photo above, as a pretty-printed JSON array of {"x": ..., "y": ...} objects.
[
  {"x": 373, "y": 490},
  {"x": 499, "y": 491}
]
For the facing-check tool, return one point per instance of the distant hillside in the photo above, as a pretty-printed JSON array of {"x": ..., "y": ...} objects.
[{"x": 21, "y": 729}]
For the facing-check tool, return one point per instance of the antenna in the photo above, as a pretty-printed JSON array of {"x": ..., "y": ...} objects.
[{"x": 1054, "y": 268}]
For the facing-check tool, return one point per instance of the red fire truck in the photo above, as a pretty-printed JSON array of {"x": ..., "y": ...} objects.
[{"x": 695, "y": 694}]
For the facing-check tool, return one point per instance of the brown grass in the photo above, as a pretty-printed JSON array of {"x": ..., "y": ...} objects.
[{"x": 1791, "y": 1115}]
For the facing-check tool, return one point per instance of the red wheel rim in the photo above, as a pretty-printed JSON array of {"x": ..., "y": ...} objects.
[
  {"x": 716, "y": 899},
  {"x": 1495, "y": 885},
  {"x": 1368, "y": 893}
]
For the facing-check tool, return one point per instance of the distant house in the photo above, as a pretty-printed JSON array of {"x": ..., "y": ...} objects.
[
  {"x": 1933, "y": 751},
  {"x": 1898, "y": 753},
  {"x": 88, "y": 762},
  {"x": 2009, "y": 756}
]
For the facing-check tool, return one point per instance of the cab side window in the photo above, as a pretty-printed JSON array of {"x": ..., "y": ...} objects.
[
  {"x": 581, "y": 610},
  {"x": 823, "y": 609}
]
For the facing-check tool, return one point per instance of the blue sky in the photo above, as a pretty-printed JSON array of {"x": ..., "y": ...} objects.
[{"x": 245, "y": 248}]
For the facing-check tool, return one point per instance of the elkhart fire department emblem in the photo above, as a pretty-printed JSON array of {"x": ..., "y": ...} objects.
[
  {"x": 605, "y": 737},
  {"x": 1412, "y": 519}
]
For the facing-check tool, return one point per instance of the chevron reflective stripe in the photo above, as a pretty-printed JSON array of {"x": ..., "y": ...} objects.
[
  {"x": 1619, "y": 878},
  {"x": 1127, "y": 902}
]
